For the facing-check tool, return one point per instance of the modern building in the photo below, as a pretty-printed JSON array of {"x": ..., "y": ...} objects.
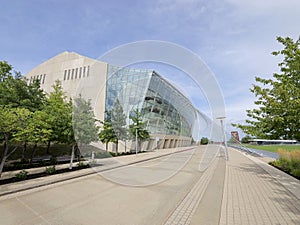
[{"x": 169, "y": 115}]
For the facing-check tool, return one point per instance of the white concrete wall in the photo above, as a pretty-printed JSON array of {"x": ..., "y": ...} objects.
[{"x": 90, "y": 87}]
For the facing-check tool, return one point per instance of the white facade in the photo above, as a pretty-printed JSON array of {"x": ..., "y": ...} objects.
[{"x": 87, "y": 77}]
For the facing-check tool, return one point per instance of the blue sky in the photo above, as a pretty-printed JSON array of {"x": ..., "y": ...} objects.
[{"x": 234, "y": 38}]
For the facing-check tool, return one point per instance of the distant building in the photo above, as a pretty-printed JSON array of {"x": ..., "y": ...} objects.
[
  {"x": 235, "y": 136},
  {"x": 271, "y": 142},
  {"x": 169, "y": 115}
]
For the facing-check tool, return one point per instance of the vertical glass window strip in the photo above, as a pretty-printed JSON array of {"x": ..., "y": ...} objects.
[
  {"x": 69, "y": 71},
  {"x": 65, "y": 75},
  {"x": 30, "y": 80},
  {"x": 80, "y": 70},
  {"x": 88, "y": 71},
  {"x": 44, "y": 76},
  {"x": 72, "y": 74},
  {"x": 76, "y": 72}
]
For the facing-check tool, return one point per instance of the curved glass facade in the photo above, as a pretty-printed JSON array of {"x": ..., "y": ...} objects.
[{"x": 165, "y": 110}]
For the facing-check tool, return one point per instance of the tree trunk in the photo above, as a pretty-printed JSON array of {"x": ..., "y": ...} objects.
[
  {"x": 24, "y": 150},
  {"x": 72, "y": 157},
  {"x": 106, "y": 146},
  {"x": 33, "y": 152},
  {"x": 5, "y": 151},
  {"x": 48, "y": 147}
]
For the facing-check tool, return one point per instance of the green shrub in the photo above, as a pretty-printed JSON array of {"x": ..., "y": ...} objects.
[
  {"x": 22, "y": 175},
  {"x": 112, "y": 154},
  {"x": 82, "y": 165},
  {"x": 53, "y": 160},
  {"x": 296, "y": 172},
  {"x": 289, "y": 161},
  {"x": 204, "y": 141},
  {"x": 50, "y": 170}
]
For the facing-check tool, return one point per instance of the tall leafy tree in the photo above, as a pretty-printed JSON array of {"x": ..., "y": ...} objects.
[
  {"x": 277, "y": 115},
  {"x": 12, "y": 121},
  {"x": 85, "y": 130},
  {"x": 137, "y": 128},
  {"x": 118, "y": 121},
  {"x": 17, "y": 100},
  {"x": 59, "y": 112}
]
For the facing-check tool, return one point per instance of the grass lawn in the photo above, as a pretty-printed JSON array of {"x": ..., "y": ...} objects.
[{"x": 274, "y": 148}]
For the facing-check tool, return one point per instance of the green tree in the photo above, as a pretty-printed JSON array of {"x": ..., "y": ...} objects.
[
  {"x": 12, "y": 120},
  {"x": 118, "y": 122},
  {"x": 84, "y": 129},
  {"x": 59, "y": 112},
  {"x": 16, "y": 92},
  {"x": 37, "y": 130},
  {"x": 137, "y": 128},
  {"x": 246, "y": 139},
  {"x": 107, "y": 134},
  {"x": 204, "y": 141},
  {"x": 277, "y": 115}
]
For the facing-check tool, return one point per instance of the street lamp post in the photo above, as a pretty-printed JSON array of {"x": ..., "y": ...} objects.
[{"x": 224, "y": 135}]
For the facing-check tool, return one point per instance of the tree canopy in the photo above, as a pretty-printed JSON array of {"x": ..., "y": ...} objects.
[
  {"x": 277, "y": 114},
  {"x": 28, "y": 115},
  {"x": 138, "y": 127}
]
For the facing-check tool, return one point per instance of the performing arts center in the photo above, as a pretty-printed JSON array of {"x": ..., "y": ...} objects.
[{"x": 169, "y": 116}]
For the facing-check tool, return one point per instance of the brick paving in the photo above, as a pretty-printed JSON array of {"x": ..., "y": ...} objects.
[
  {"x": 253, "y": 196},
  {"x": 185, "y": 210}
]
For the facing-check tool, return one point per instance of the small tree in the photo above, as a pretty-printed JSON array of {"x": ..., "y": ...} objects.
[
  {"x": 107, "y": 134},
  {"x": 85, "y": 130},
  {"x": 59, "y": 116},
  {"x": 137, "y": 128},
  {"x": 118, "y": 122},
  {"x": 204, "y": 141}
]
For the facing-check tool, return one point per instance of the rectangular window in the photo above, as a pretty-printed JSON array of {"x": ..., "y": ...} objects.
[
  {"x": 88, "y": 71},
  {"x": 43, "y": 78},
  {"x": 72, "y": 74},
  {"x": 76, "y": 72},
  {"x": 30, "y": 80},
  {"x": 80, "y": 72},
  {"x": 65, "y": 75},
  {"x": 83, "y": 75},
  {"x": 69, "y": 72}
]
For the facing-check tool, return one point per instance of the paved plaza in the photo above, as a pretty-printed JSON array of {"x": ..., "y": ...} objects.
[{"x": 176, "y": 186}]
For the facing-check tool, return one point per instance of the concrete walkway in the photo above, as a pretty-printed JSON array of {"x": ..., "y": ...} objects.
[
  {"x": 243, "y": 190},
  {"x": 256, "y": 193},
  {"x": 107, "y": 164}
]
